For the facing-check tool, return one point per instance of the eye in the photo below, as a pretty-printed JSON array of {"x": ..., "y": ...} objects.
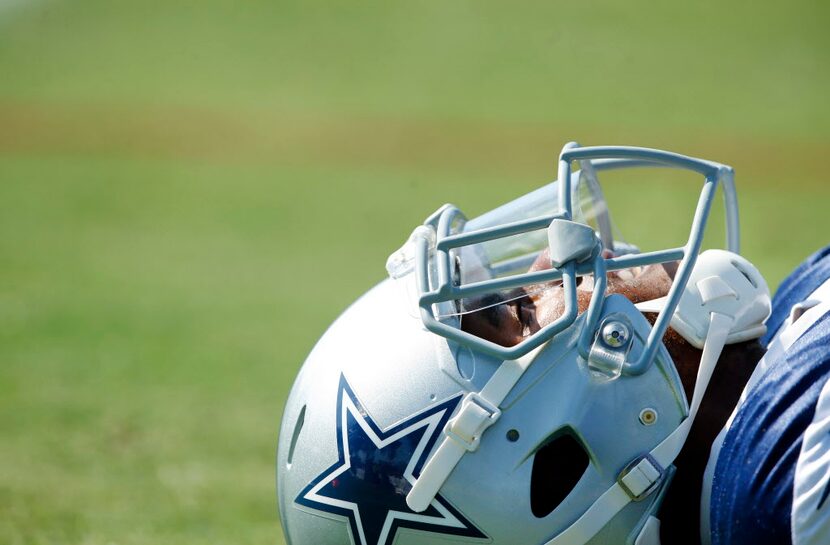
[
  {"x": 525, "y": 308},
  {"x": 517, "y": 307}
]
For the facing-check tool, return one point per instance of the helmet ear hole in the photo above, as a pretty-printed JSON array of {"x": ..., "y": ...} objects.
[
  {"x": 298, "y": 427},
  {"x": 557, "y": 467}
]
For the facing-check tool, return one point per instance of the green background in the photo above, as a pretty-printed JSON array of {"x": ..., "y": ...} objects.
[{"x": 190, "y": 191}]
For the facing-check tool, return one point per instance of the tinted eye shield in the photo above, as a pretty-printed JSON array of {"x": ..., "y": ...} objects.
[{"x": 434, "y": 250}]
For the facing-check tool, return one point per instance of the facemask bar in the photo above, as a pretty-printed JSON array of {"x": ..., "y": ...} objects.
[
  {"x": 435, "y": 252},
  {"x": 514, "y": 255}
]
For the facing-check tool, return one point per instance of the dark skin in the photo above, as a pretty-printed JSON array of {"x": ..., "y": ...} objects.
[{"x": 533, "y": 307}]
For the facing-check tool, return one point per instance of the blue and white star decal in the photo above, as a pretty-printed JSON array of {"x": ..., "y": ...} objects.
[{"x": 375, "y": 470}]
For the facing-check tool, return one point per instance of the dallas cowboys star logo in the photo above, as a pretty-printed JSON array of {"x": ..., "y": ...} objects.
[{"x": 375, "y": 470}]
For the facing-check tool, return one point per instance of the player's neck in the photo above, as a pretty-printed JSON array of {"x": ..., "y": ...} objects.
[{"x": 680, "y": 514}]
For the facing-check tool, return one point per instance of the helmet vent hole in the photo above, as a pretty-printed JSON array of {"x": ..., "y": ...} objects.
[
  {"x": 557, "y": 468},
  {"x": 298, "y": 427}
]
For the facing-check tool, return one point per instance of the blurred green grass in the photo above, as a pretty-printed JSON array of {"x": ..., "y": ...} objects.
[{"x": 191, "y": 191}]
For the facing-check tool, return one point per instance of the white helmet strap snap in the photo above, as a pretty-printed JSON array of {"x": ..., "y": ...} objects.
[{"x": 479, "y": 411}]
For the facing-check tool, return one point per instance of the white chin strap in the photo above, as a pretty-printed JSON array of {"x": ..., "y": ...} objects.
[
  {"x": 479, "y": 411},
  {"x": 645, "y": 474}
]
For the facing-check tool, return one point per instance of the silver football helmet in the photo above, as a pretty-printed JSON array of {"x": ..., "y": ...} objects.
[{"x": 404, "y": 427}]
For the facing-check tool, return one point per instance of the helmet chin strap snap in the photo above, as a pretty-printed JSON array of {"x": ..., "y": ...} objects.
[{"x": 479, "y": 411}]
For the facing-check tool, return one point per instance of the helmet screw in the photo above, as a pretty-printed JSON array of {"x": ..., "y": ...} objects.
[
  {"x": 615, "y": 334},
  {"x": 648, "y": 416}
]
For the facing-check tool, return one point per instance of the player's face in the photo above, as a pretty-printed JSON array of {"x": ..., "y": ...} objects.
[{"x": 508, "y": 319}]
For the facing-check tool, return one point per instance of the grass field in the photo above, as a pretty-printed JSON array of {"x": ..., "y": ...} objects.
[{"x": 191, "y": 191}]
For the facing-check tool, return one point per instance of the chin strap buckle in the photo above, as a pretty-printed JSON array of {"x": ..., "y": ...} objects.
[
  {"x": 641, "y": 477},
  {"x": 476, "y": 415},
  {"x": 462, "y": 433}
]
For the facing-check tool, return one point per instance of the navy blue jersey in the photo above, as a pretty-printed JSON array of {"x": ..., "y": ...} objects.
[
  {"x": 771, "y": 474},
  {"x": 803, "y": 281},
  {"x": 752, "y": 488}
]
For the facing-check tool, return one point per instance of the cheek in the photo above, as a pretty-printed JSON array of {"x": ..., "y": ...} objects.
[
  {"x": 507, "y": 334},
  {"x": 549, "y": 306}
]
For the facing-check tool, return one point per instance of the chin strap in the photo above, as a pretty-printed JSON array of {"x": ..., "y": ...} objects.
[
  {"x": 645, "y": 474},
  {"x": 462, "y": 434}
]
